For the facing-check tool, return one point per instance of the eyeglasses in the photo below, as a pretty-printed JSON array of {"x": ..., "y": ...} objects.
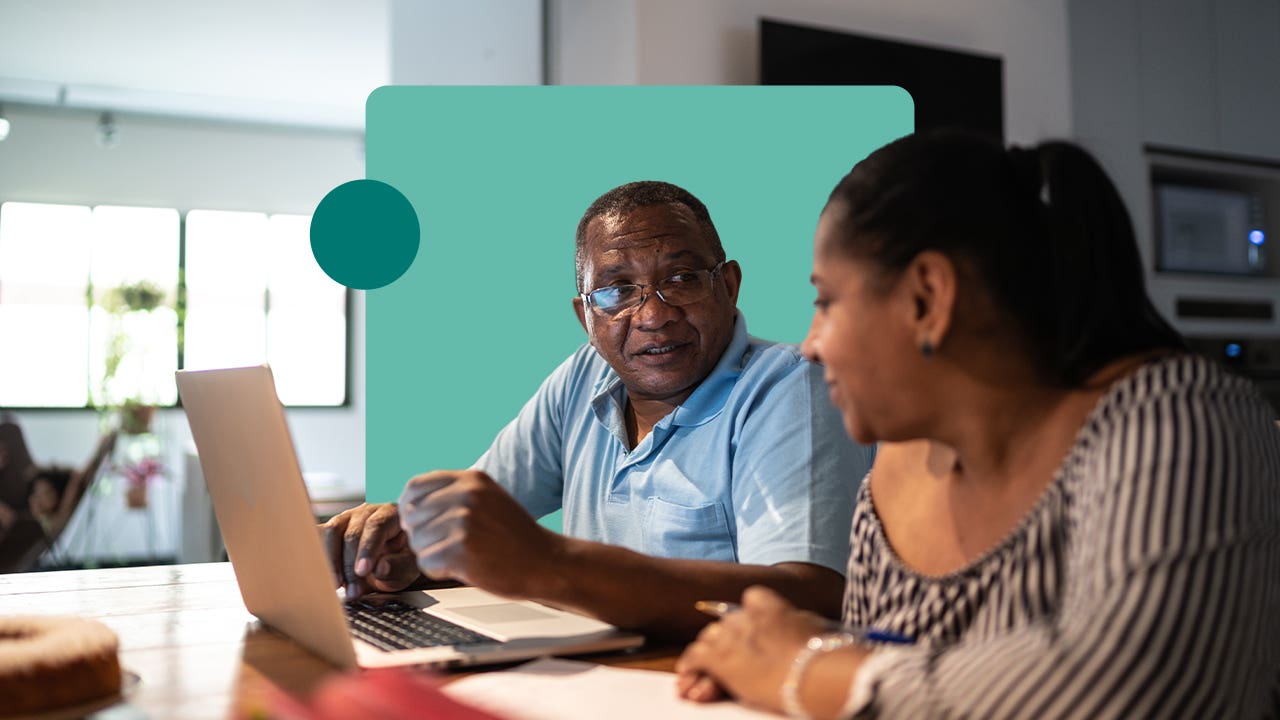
[{"x": 679, "y": 289}]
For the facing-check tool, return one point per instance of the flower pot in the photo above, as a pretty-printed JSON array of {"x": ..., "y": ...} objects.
[
  {"x": 135, "y": 497},
  {"x": 136, "y": 419}
]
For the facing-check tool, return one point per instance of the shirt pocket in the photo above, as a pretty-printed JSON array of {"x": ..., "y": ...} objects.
[{"x": 679, "y": 531}]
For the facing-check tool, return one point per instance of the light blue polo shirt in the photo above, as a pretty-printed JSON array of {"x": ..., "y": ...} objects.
[{"x": 754, "y": 467}]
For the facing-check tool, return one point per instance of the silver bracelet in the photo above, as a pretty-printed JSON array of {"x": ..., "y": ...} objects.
[{"x": 817, "y": 645}]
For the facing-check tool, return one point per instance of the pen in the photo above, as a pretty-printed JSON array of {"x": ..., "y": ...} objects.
[{"x": 718, "y": 608}]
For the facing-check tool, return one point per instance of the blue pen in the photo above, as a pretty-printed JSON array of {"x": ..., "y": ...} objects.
[
  {"x": 882, "y": 636},
  {"x": 717, "y": 608}
]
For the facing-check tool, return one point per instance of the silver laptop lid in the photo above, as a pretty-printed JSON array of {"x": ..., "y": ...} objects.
[{"x": 261, "y": 502}]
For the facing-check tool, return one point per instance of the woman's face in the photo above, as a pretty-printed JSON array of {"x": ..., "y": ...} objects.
[
  {"x": 44, "y": 498},
  {"x": 862, "y": 336}
]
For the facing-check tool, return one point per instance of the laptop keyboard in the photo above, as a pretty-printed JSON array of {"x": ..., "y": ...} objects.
[{"x": 393, "y": 625}]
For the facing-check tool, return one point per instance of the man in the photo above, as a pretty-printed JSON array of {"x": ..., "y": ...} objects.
[{"x": 691, "y": 460}]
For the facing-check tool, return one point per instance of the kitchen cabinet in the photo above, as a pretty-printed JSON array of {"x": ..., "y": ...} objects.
[
  {"x": 1248, "y": 76},
  {"x": 1209, "y": 75},
  {"x": 1176, "y": 73}
]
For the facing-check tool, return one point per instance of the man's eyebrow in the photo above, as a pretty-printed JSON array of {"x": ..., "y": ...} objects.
[
  {"x": 611, "y": 270},
  {"x": 608, "y": 271},
  {"x": 681, "y": 254}
]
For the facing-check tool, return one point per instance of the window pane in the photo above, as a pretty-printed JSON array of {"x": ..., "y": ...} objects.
[
  {"x": 226, "y": 290},
  {"x": 306, "y": 324},
  {"x": 133, "y": 325},
  {"x": 44, "y": 269}
]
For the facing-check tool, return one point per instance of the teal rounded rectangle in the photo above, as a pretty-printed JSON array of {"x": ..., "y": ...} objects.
[{"x": 499, "y": 178}]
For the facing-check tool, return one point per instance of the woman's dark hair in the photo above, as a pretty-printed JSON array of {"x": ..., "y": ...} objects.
[
  {"x": 1043, "y": 229},
  {"x": 58, "y": 477}
]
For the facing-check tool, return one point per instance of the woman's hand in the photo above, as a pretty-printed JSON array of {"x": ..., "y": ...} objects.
[{"x": 748, "y": 652}]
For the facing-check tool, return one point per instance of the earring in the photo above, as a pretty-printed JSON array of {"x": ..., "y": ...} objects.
[{"x": 926, "y": 349}]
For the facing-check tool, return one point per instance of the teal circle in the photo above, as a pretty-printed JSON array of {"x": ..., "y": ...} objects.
[{"x": 364, "y": 234}]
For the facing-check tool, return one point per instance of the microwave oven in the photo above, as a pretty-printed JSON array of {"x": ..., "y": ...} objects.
[{"x": 1209, "y": 230}]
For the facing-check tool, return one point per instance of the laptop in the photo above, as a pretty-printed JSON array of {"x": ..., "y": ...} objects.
[{"x": 271, "y": 537}]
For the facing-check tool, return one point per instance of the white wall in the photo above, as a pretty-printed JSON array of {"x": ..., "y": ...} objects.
[
  {"x": 478, "y": 42},
  {"x": 52, "y": 156},
  {"x": 591, "y": 43},
  {"x": 716, "y": 42}
]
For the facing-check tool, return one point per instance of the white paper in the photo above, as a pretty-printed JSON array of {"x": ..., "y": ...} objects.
[{"x": 553, "y": 689}]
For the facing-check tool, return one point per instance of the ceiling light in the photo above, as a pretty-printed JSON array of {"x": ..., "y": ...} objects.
[{"x": 108, "y": 133}]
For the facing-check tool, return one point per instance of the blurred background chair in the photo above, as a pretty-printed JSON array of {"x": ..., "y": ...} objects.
[{"x": 38, "y": 501}]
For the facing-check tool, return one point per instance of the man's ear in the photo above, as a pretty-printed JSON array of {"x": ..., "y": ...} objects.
[
  {"x": 580, "y": 309},
  {"x": 931, "y": 280},
  {"x": 732, "y": 273}
]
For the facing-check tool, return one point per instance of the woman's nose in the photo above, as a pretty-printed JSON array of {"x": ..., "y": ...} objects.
[{"x": 809, "y": 348}]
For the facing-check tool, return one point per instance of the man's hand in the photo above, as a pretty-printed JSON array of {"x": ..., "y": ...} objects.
[
  {"x": 461, "y": 524},
  {"x": 368, "y": 551}
]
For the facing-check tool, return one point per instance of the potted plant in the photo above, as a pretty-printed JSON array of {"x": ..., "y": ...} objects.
[
  {"x": 138, "y": 477},
  {"x": 119, "y": 391}
]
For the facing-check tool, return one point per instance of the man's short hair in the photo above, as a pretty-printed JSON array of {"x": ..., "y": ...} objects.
[{"x": 644, "y": 193}]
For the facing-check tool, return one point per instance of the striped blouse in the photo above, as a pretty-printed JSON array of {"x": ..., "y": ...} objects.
[{"x": 1144, "y": 583}]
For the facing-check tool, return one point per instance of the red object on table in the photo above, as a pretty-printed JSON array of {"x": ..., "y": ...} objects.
[{"x": 386, "y": 694}]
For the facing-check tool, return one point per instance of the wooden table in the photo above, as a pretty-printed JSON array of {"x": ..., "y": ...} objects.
[{"x": 185, "y": 631}]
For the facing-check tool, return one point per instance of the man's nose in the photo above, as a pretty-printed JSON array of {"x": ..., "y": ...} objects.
[{"x": 653, "y": 311}]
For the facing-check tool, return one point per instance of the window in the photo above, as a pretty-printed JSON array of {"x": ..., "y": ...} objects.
[
  {"x": 78, "y": 286},
  {"x": 226, "y": 289},
  {"x": 133, "y": 248},
  {"x": 306, "y": 318},
  {"x": 44, "y": 320}
]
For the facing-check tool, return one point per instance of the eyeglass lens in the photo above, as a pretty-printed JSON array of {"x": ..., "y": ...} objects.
[{"x": 681, "y": 289}]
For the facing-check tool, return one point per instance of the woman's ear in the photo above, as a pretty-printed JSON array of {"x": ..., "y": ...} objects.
[{"x": 931, "y": 281}]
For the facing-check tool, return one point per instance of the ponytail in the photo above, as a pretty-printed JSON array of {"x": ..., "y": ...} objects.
[{"x": 1102, "y": 310}]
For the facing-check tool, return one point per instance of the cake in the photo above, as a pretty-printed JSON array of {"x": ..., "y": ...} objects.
[{"x": 49, "y": 662}]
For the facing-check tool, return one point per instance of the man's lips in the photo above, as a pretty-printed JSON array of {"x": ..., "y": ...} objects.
[{"x": 660, "y": 349}]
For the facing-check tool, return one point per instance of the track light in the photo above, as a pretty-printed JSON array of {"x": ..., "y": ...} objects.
[
  {"x": 4, "y": 125},
  {"x": 108, "y": 133}
]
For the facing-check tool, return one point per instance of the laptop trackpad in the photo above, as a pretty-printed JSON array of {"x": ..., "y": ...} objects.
[{"x": 501, "y": 613}]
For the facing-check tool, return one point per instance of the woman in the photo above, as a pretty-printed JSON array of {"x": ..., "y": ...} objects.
[
  {"x": 52, "y": 495},
  {"x": 1073, "y": 517}
]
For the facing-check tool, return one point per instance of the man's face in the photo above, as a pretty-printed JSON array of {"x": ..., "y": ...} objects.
[{"x": 661, "y": 352}]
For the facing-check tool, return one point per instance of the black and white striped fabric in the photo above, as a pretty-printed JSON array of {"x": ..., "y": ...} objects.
[{"x": 1144, "y": 584}]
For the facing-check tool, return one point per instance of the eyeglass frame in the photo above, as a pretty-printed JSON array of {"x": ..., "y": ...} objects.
[{"x": 586, "y": 296}]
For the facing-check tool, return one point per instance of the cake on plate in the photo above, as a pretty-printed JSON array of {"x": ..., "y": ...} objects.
[{"x": 52, "y": 661}]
